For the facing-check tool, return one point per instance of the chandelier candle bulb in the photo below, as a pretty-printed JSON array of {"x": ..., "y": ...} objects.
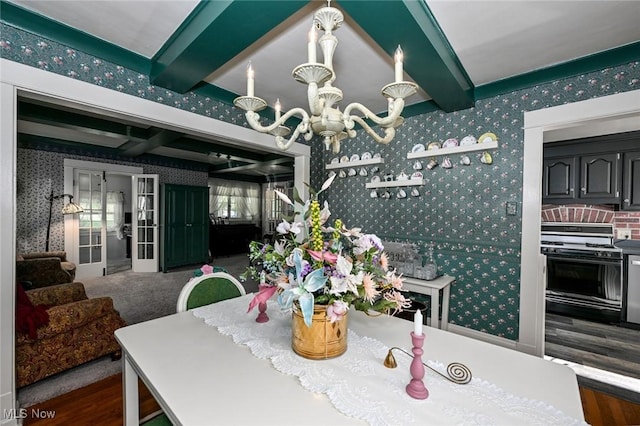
[
  {"x": 250, "y": 81},
  {"x": 278, "y": 109},
  {"x": 311, "y": 47},
  {"x": 417, "y": 323},
  {"x": 398, "y": 58}
]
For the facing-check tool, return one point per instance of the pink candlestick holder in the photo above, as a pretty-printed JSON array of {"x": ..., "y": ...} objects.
[
  {"x": 262, "y": 312},
  {"x": 416, "y": 388}
]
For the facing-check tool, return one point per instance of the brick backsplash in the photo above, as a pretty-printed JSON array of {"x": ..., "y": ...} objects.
[{"x": 581, "y": 213}]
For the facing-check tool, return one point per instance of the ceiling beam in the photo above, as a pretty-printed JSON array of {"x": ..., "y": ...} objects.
[
  {"x": 159, "y": 138},
  {"x": 224, "y": 168},
  {"x": 213, "y": 34},
  {"x": 428, "y": 57}
]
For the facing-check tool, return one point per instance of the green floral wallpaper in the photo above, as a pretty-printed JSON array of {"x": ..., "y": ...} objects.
[{"x": 461, "y": 210}]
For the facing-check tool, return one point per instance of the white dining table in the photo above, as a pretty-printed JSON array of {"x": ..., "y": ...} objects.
[{"x": 200, "y": 376}]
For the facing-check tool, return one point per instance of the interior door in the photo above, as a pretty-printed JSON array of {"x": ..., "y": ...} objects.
[
  {"x": 145, "y": 215},
  {"x": 91, "y": 193}
]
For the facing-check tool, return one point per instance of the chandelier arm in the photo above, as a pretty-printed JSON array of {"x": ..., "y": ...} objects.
[
  {"x": 388, "y": 121},
  {"x": 389, "y": 132},
  {"x": 300, "y": 128},
  {"x": 253, "y": 119},
  {"x": 316, "y": 105}
]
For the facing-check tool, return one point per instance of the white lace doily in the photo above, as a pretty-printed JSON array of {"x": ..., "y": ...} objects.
[{"x": 360, "y": 386}]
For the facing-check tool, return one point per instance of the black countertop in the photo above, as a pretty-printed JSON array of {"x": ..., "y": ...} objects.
[{"x": 628, "y": 246}]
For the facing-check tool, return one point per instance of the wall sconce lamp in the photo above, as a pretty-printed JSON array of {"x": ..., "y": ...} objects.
[{"x": 70, "y": 208}]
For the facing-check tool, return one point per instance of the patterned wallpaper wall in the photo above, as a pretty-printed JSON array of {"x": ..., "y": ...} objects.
[
  {"x": 461, "y": 210},
  {"x": 39, "y": 172}
]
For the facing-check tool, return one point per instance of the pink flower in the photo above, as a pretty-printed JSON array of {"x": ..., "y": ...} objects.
[
  {"x": 395, "y": 281},
  {"x": 337, "y": 310},
  {"x": 399, "y": 299},
  {"x": 207, "y": 269},
  {"x": 384, "y": 262},
  {"x": 370, "y": 291},
  {"x": 320, "y": 256}
]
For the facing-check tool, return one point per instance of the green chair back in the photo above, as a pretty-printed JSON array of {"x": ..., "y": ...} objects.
[{"x": 208, "y": 289}]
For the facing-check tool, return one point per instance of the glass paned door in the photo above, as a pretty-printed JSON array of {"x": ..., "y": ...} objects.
[
  {"x": 91, "y": 232},
  {"x": 145, "y": 256}
]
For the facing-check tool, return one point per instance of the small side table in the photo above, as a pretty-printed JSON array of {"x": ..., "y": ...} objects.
[{"x": 432, "y": 289}]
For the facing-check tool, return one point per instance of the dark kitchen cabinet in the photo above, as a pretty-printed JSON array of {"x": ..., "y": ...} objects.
[
  {"x": 631, "y": 181},
  {"x": 600, "y": 178},
  {"x": 559, "y": 179},
  {"x": 185, "y": 222},
  {"x": 597, "y": 170}
]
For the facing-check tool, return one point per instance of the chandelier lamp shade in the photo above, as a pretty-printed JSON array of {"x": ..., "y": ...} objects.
[
  {"x": 70, "y": 208},
  {"x": 324, "y": 117}
]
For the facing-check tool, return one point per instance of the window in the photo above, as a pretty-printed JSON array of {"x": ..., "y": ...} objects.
[{"x": 234, "y": 200}]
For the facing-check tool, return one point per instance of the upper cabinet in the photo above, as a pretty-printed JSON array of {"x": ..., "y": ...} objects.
[
  {"x": 631, "y": 183},
  {"x": 600, "y": 178},
  {"x": 559, "y": 179},
  {"x": 602, "y": 170}
]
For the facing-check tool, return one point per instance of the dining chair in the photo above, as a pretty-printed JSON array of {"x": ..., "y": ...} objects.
[{"x": 207, "y": 289}]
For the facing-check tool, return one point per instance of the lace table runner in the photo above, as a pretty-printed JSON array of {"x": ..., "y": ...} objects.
[{"x": 360, "y": 386}]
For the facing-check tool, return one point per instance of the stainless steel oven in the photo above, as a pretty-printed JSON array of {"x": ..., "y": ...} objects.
[{"x": 584, "y": 271}]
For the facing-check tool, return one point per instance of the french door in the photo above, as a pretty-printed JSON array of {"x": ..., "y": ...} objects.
[
  {"x": 145, "y": 218},
  {"x": 90, "y": 248}
]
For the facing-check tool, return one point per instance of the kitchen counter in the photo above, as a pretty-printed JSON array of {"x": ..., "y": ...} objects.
[{"x": 628, "y": 246}]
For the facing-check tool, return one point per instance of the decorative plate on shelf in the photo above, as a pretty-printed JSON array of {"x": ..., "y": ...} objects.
[
  {"x": 355, "y": 157},
  {"x": 418, "y": 148},
  {"x": 468, "y": 140},
  {"x": 344, "y": 159},
  {"x": 335, "y": 160},
  {"x": 450, "y": 143},
  {"x": 365, "y": 156},
  {"x": 375, "y": 179},
  {"x": 433, "y": 145},
  {"x": 416, "y": 175},
  {"x": 487, "y": 137}
]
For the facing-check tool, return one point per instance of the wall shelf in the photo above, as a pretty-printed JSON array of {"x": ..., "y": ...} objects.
[
  {"x": 454, "y": 150},
  {"x": 395, "y": 183},
  {"x": 358, "y": 163}
]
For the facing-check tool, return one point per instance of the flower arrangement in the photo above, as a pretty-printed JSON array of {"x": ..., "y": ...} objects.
[{"x": 314, "y": 264}]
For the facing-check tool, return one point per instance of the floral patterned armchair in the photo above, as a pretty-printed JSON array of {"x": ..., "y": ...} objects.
[
  {"x": 45, "y": 268},
  {"x": 78, "y": 330}
]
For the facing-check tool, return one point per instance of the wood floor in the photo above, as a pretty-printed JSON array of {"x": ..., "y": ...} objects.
[
  {"x": 604, "y": 346},
  {"x": 100, "y": 404}
]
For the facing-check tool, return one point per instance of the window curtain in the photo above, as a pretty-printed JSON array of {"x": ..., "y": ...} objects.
[
  {"x": 115, "y": 201},
  {"x": 245, "y": 194}
]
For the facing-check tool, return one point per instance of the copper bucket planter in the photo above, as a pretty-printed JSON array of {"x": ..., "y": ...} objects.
[{"x": 323, "y": 340}]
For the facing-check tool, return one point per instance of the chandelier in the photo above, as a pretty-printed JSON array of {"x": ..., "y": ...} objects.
[{"x": 325, "y": 118}]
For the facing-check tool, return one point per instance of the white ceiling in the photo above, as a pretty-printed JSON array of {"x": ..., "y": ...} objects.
[{"x": 492, "y": 39}]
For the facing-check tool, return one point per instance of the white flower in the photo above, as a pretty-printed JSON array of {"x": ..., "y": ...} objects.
[
  {"x": 285, "y": 227},
  {"x": 365, "y": 243},
  {"x": 345, "y": 281},
  {"x": 279, "y": 247}
]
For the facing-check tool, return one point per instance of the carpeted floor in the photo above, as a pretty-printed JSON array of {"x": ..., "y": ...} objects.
[{"x": 138, "y": 297}]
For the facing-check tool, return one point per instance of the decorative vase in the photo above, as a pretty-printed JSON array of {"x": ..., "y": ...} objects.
[{"x": 323, "y": 339}]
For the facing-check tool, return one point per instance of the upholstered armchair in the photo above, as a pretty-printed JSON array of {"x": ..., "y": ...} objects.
[
  {"x": 78, "y": 330},
  {"x": 45, "y": 268}
]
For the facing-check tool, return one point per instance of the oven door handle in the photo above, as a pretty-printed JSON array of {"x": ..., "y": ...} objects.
[{"x": 596, "y": 260}]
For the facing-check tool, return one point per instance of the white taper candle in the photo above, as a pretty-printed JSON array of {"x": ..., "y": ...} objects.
[
  {"x": 398, "y": 68},
  {"x": 250, "y": 81},
  {"x": 311, "y": 46},
  {"x": 417, "y": 323},
  {"x": 278, "y": 109}
]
